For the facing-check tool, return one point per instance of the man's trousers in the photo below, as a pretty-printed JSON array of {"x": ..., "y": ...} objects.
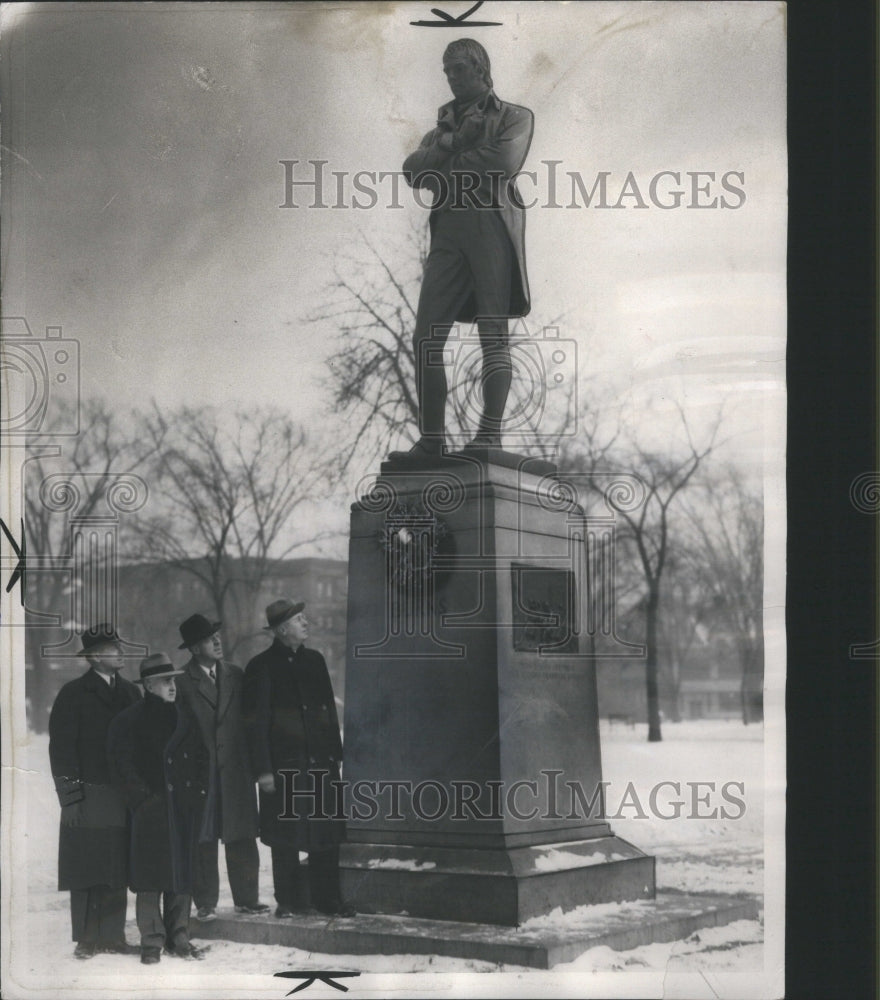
[
  {"x": 169, "y": 925},
  {"x": 242, "y": 867},
  {"x": 294, "y": 885},
  {"x": 98, "y": 915}
]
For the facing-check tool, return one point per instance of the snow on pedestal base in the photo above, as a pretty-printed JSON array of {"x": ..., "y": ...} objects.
[
  {"x": 494, "y": 886},
  {"x": 539, "y": 943}
]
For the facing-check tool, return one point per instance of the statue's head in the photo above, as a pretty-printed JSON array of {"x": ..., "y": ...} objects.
[{"x": 467, "y": 68}]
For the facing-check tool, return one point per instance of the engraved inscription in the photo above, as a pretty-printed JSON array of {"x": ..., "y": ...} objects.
[{"x": 543, "y": 609}]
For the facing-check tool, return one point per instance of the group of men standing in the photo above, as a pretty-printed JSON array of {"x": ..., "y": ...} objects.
[{"x": 148, "y": 785}]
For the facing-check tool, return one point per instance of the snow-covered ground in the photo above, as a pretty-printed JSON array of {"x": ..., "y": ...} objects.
[
  {"x": 716, "y": 844},
  {"x": 698, "y": 851}
]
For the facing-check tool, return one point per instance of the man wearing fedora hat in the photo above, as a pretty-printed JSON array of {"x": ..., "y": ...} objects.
[
  {"x": 92, "y": 845},
  {"x": 293, "y": 727},
  {"x": 211, "y": 689},
  {"x": 160, "y": 762}
]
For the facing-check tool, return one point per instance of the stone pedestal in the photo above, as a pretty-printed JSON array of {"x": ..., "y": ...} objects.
[{"x": 471, "y": 722}]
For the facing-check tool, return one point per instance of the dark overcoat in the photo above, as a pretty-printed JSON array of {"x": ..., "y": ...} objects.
[
  {"x": 502, "y": 134},
  {"x": 159, "y": 761},
  {"x": 292, "y": 723},
  {"x": 93, "y": 840},
  {"x": 218, "y": 711}
]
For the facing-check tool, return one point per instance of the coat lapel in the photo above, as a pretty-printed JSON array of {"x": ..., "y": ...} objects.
[
  {"x": 202, "y": 683},
  {"x": 100, "y": 686},
  {"x": 180, "y": 730},
  {"x": 225, "y": 682}
]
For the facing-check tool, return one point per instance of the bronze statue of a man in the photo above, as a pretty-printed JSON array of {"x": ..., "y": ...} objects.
[{"x": 476, "y": 268}]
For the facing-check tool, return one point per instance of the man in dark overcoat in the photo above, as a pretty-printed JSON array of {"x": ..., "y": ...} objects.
[
  {"x": 93, "y": 840},
  {"x": 159, "y": 760},
  {"x": 476, "y": 267},
  {"x": 290, "y": 713},
  {"x": 211, "y": 689}
]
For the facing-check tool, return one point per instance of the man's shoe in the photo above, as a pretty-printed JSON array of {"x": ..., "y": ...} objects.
[
  {"x": 84, "y": 951},
  {"x": 150, "y": 956},
  {"x": 256, "y": 908},
  {"x": 424, "y": 450},
  {"x": 206, "y": 913},
  {"x": 119, "y": 948},
  {"x": 186, "y": 951}
]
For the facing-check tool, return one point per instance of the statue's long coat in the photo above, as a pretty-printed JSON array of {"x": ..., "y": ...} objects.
[{"x": 500, "y": 149}]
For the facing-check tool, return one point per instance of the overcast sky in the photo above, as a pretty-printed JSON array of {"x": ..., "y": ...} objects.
[{"x": 142, "y": 185}]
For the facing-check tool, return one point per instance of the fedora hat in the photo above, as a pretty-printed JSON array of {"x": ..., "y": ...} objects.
[
  {"x": 157, "y": 665},
  {"x": 196, "y": 628},
  {"x": 97, "y": 635},
  {"x": 279, "y": 611}
]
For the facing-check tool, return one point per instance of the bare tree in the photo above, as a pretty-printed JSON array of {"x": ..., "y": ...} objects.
[
  {"x": 688, "y": 602},
  {"x": 371, "y": 308},
  {"x": 372, "y": 302},
  {"x": 225, "y": 489},
  {"x": 649, "y": 527},
  {"x": 105, "y": 447},
  {"x": 728, "y": 547}
]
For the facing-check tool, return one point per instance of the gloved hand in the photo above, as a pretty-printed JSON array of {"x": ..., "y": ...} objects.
[
  {"x": 69, "y": 790},
  {"x": 72, "y": 815}
]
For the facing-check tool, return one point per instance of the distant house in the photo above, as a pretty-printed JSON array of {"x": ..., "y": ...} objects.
[
  {"x": 708, "y": 682},
  {"x": 711, "y": 698}
]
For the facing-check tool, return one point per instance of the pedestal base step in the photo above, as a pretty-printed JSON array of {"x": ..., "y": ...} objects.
[
  {"x": 506, "y": 886},
  {"x": 540, "y": 943}
]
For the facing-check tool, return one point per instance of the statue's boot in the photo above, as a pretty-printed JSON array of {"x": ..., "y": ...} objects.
[
  {"x": 424, "y": 450},
  {"x": 484, "y": 438},
  {"x": 432, "y": 412}
]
